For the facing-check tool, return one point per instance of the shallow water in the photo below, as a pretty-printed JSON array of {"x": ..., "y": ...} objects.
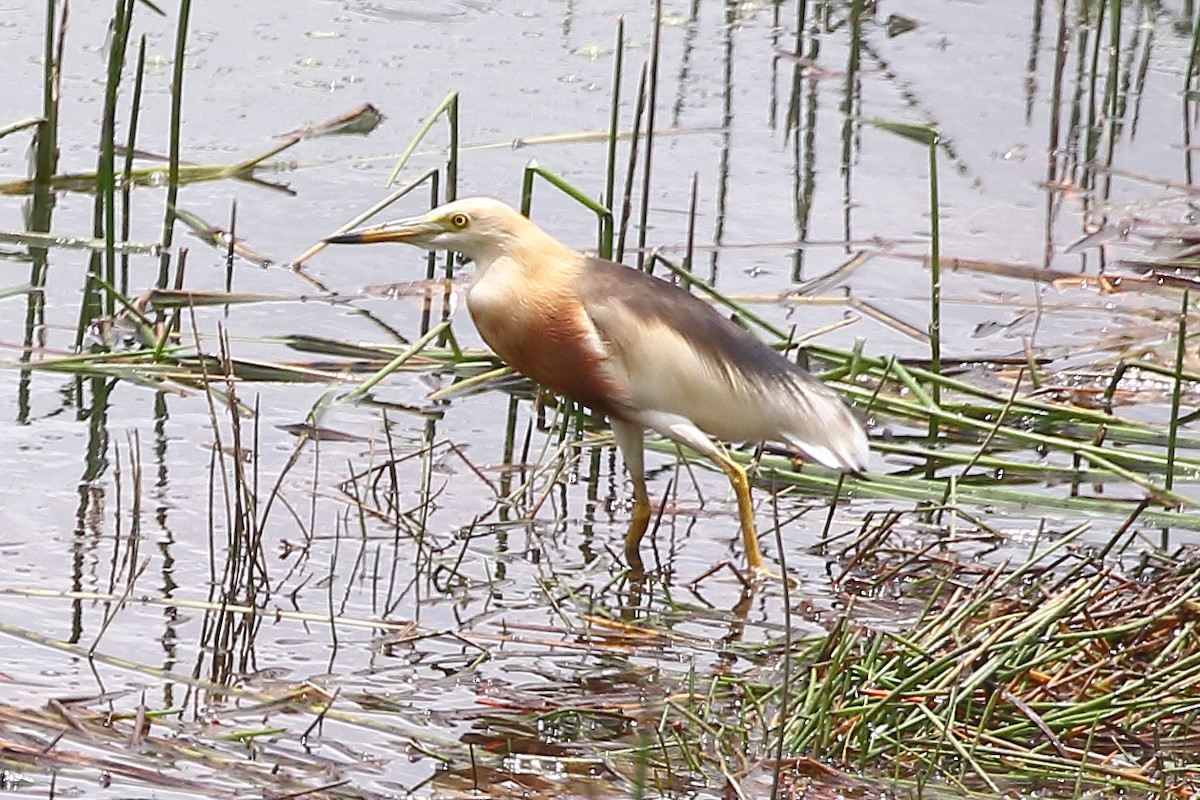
[{"x": 983, "y": 73}]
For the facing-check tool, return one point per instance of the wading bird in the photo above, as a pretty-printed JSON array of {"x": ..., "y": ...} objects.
[{"x": 643, "y": 352}]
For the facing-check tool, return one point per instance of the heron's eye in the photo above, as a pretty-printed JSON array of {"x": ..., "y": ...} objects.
[{"x": 459, "y": 221}]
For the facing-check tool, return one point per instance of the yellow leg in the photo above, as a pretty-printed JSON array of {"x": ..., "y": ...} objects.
[
  {"x": 630, "y": 440},
  {"x": 638, "y": 524},
  {"x": 684, "y": 431},
  {"x": 741, "y": 489}
]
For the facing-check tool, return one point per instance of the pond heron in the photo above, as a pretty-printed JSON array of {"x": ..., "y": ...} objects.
[{"x": 643, "y": 352}]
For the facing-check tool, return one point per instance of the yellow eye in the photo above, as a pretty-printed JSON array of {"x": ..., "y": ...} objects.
[{"x": 459, "y": 221}]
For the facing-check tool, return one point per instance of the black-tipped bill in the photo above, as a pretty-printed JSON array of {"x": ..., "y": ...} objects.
[{"x": 411, "y": 231}]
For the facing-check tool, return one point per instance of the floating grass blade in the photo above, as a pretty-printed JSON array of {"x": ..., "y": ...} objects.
[
  {"x": 46, "y": 241},
  {"x": 332, "y": 347},
  {"x": 195, "y": 298},
  {"x": 359, "y": 121},
  {"x": 155, "y": 176}
]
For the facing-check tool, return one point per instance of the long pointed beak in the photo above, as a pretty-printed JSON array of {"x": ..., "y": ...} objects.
[{"x": 410, "y": 231}]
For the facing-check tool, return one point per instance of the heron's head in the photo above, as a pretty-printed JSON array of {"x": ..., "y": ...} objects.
[{"x": 480, "y": 228}]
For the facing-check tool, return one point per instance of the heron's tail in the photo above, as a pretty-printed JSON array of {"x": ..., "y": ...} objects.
[{"x": 831, "y": 433}]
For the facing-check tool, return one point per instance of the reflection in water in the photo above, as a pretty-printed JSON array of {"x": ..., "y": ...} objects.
[
  {"x": 1053, "y": 127},
  {"x": 493, "y": 527},
  {"x": 683, "y": 78},
  {"x": 801, "y": 128},
  {"x": 719, "y": 220},
  {"x": 423, "y": 11},
  {"x": 851, "y": 108}
]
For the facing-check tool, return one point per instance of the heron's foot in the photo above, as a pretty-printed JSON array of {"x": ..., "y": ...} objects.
[{"x": 760, "y": 574}]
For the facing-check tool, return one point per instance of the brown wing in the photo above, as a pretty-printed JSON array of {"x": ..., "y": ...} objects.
[{"x": 677, "y": 355}]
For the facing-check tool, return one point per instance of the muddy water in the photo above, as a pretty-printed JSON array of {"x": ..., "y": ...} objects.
[{"x": 108, "y": 484}]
